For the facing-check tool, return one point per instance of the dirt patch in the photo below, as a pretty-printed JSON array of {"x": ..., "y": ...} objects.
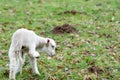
[
  {"x": 95, "y": 69},
  {"x": 73, "y": 12},
  {"x": 65, "y": 28},
  {"x": 6, "y": 73}
]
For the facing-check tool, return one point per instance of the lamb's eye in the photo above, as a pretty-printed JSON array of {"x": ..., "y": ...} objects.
[{"x": 52, "y": 46}]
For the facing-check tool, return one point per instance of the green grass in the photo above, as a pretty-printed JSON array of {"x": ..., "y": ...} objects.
[{"x": 96, "y": 43}]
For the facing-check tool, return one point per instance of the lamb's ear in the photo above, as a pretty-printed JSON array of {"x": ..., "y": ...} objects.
[{"x": 48, "y": 41}]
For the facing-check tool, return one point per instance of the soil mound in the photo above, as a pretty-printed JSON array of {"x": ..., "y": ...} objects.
[
  {"x": 73, "y": 12},
  {"x": 65, "y": 28}
]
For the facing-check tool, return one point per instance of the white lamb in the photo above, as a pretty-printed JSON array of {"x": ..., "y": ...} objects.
[{"x": 26, "y": 41}]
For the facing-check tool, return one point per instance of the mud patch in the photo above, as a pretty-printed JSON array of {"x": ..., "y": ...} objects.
[
  {"x": 73, "y": 12},
  {"x": 65, "y": 28},
  {"x": 95, "y": 69},
  {"x": 6, "y": 73}
]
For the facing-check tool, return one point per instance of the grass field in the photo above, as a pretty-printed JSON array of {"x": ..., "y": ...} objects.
[{"x": 93, "y": 53}]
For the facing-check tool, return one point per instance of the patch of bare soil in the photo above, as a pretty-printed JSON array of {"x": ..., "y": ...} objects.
[
  {"x": 73, "y": 12},
  {"x": 95, "y": 69},
  {"x": 65, "y": 28},
  {"x": 6, "y": 73}
]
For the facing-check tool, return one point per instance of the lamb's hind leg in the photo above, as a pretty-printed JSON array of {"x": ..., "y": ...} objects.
[
  {"x": 20, "y": 62},
  {"x": 13, "y": 65}
]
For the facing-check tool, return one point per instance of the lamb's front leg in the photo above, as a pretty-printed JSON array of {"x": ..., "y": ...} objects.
[
  {"x": 32, "y": 51},
  {"x": 34, "y": 65}
]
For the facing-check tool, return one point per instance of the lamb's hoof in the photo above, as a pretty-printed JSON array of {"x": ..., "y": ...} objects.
[
  {"x": 37, "y": 74},
  {"x": 36, "y": 55},
  {"x": 18, "y": 73},
  {"x": 11, "y": 79}
]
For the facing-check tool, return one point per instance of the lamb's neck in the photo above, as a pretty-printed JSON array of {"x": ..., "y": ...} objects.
[{"x": 41, "y": 41}]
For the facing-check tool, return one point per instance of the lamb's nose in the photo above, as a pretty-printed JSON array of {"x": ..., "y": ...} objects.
[{"x": 37, "y": 57}]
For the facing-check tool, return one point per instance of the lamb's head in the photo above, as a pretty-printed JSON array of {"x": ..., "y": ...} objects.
[{"x": 49, "y": 47}]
